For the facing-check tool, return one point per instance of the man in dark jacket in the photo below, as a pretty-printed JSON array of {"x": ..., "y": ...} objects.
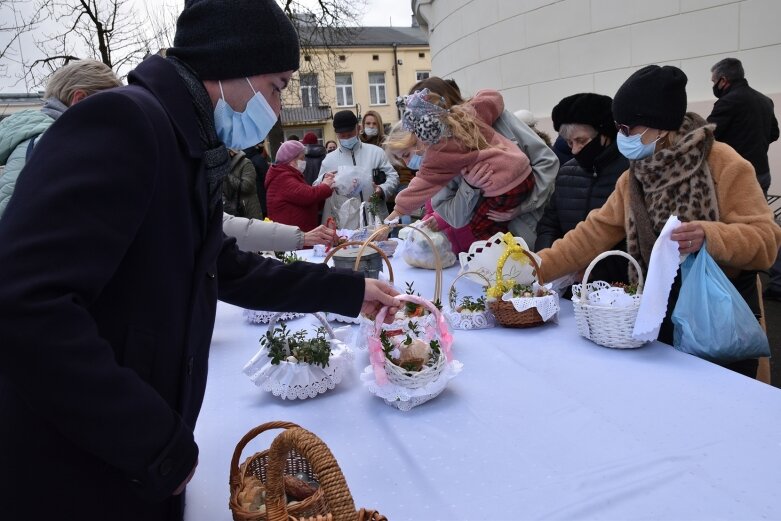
[
  {"x": 257, "y": 154},
  {"x": 744, "y": 117},
  {"x": 113, "y": 262},
  {"x": 585, "y": 122},
  {"x": 315, "y": 152},
  {"x": 745, "y": 121}
]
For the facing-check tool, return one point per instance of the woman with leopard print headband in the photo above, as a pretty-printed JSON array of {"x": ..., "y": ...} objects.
[{"x": 676, "y": 168}]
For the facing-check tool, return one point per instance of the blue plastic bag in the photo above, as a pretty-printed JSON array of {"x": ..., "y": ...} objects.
[{"x": 712, "y": 320}]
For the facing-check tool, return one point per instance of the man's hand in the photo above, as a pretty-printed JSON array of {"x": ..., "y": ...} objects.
[
  {"x": 479, "y": 176},
  {"x": 320, "y": 235},
  {"x": 376, "y": 295}
]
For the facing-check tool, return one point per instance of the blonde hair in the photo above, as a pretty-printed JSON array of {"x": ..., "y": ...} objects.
[
  {"x": 462, "y": 123},
  {"x": 89, "y": 76},
  {"x": 397, "y": 141},
  {"x": 380, "y": 129}
]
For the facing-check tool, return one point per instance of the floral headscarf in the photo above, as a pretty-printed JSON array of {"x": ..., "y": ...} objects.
[{"x": 423, "y": 118}]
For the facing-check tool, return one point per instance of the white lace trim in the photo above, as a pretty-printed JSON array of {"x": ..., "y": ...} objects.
[
  {"x": 547, "y": 306},
  {"x": 404, "y": 398},
  {"x": 292, "y": 380},
  {"x": 473, "y": 320},
  {"x": 264, "y": 317}
]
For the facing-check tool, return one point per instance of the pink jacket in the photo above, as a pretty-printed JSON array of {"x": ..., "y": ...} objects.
[
  {"x": 460, "y": 238},
  {"x": 446, "y": 159}
]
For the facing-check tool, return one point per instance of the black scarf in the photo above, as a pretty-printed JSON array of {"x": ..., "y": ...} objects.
[{"x": 215, "y": 156}]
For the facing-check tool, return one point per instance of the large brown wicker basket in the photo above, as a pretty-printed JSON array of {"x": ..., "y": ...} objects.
[
  {"x": 257, "y": 466},
  {"x": 505, "y": 312},
  {"x": 333, "y": 486}
]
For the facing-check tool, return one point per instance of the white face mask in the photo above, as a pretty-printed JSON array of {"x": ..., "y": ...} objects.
[
  {"x": 370, "y": 131},
  {"x": 301, "y": 165}
]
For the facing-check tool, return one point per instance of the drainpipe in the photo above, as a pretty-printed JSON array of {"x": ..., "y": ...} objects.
[{"x": 396, "y": 73}]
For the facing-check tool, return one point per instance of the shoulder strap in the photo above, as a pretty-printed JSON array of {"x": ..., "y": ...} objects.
[{"x": 29, "y": 151}]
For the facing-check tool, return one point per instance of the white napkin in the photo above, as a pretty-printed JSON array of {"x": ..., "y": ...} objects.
[{"x": 661, "y": 273}]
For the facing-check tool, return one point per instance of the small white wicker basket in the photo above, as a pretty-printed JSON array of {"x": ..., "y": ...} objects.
[
  {"x": 605, "y": 325},
  {"x": 468, "y": 320}
]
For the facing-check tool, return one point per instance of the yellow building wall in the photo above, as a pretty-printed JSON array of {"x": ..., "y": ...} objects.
[{"x": 360, "y": 62}]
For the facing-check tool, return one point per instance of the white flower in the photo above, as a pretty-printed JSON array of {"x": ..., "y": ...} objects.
[{"x": 292, "y": 359}]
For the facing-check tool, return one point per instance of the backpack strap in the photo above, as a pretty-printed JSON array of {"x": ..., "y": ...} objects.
[{"x": 28, "y": 154}]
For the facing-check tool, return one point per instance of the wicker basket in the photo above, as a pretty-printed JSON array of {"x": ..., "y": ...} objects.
[
  {"x": 292, "y": 380},
  {"x": 505, "y": 311},
  {"x": 473, "y": 320},
  {"x": 398, "y": 375},
  {"x": 606, "y": 326},
  {"x": 333, "y": 486},
  {"x": 291, "y": 462}
]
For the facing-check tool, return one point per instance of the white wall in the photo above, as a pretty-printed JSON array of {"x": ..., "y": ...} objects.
[{"x": 539, "y": 51}]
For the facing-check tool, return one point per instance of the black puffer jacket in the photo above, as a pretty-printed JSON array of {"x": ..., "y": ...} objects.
[
  {"x": 314, "y": 158},
  {"x": 577, "y": 193}
]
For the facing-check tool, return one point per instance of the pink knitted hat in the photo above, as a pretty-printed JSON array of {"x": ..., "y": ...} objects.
[{"x": 289, "y": 151}]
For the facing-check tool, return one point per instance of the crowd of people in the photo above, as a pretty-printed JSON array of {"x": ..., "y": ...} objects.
[{"x": 147, "y": 236}]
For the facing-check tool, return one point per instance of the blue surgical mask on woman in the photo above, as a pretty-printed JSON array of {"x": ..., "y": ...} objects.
[
  {"x": 632, "y": 147},
  {"x": 414, "y": 162},
  {"x": 349, "y": 143},
  {"x": 239, "y": 130}
]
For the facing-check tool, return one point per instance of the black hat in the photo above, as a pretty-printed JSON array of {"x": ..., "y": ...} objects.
[
  {"x": 345, "y": 121},
  {"x": 586, "y": 109},
  {"x": 225, "y": 39},
  {"x": 654, "y": 97}
]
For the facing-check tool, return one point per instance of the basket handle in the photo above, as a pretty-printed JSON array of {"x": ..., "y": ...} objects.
[
  {"x": 640, "y": 280},
  {"x": 518, "y": 248},
  {"x": 451, "y": 292},
  {"x": 337, "y": 494},
  {"x": 273, "y": 321},
  {"x": 385, "y": 229},
  {"x": 360, "y": 254},
  {"x": 376, "y": 355},
  {"x": 235, "y": 472}
]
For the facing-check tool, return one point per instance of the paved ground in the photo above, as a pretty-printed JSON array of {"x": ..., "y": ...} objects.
[{"x": 773, "y": 321}]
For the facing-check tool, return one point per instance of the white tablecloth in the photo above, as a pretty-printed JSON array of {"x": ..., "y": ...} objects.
[{"x": 541, "y": 424}]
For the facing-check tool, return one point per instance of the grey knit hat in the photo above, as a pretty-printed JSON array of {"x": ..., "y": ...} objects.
[{"x": 225, "y": 39}]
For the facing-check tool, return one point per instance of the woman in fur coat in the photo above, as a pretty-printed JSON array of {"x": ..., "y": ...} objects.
[{"x": 675, "y": 168}]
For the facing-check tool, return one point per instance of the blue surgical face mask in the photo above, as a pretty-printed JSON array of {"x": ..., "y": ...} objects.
[
  {"x": 414, "y": 162},
  {"x": 632, "y": 147},
  {"x": 240, "y": 130},
  {"x": 349, "y": 143}
]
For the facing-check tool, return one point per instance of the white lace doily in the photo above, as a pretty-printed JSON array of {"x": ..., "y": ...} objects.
[
  {"x": 291, "y": 380},
  {"x": 263, "y": 317},
  {"x": 547, "y": 306},
  {"x": 602, "y": 294},
  {"x": 471, "y": 320},
  {"x": 342, "y": 318},
  {"x": 405, "y": 399}
]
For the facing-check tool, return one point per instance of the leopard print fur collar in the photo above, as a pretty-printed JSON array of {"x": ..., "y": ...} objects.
[{"x": 673, "y": 181}]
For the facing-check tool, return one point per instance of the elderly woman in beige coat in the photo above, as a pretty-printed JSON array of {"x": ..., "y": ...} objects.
[{"x": 676, "y": 168}]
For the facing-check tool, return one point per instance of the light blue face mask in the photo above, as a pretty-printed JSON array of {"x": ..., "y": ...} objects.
[
  {"x": 349, "y": 143},
  {"x": 415, "y": 161},
  {"x": 632, "y": 147},
  {"x": 240, "y": 130}
]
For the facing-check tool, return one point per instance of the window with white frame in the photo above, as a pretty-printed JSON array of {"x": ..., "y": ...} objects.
[
  {"x": 422, "y": 75},
  {"x": 309, "y": 97},
  {"x": 344, "y": 89},
  {"x": 377, "y": 88}
]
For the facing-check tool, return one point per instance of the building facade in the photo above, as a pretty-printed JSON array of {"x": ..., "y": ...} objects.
[
  {"x": 538, "y": 51},
  {"x": 10, "y": 102},
  {"x": 368, "y": 72}
]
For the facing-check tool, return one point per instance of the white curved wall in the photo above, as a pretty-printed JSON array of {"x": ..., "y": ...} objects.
[{"x": 539, "y": 51}]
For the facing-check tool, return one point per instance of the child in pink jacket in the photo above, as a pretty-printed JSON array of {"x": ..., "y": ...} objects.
[{"x": 443, "y": 143}]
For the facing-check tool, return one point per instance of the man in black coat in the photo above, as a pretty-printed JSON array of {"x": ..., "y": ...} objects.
[
  {"x": 745, "y": 120},
  {"x": 113, "y": 260},
  {"x": 744, "y": 117},
  {"x": 585, "y": 122}
]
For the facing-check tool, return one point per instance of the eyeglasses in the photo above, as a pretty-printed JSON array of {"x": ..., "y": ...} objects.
[{"x": 624, "y": 129}]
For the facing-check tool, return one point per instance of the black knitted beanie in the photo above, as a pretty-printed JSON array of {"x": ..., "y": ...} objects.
[
  {"x": 654, "y": 97},
  {"x": 585, "y": 108},
  {"x": 225, "y": 39}
]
